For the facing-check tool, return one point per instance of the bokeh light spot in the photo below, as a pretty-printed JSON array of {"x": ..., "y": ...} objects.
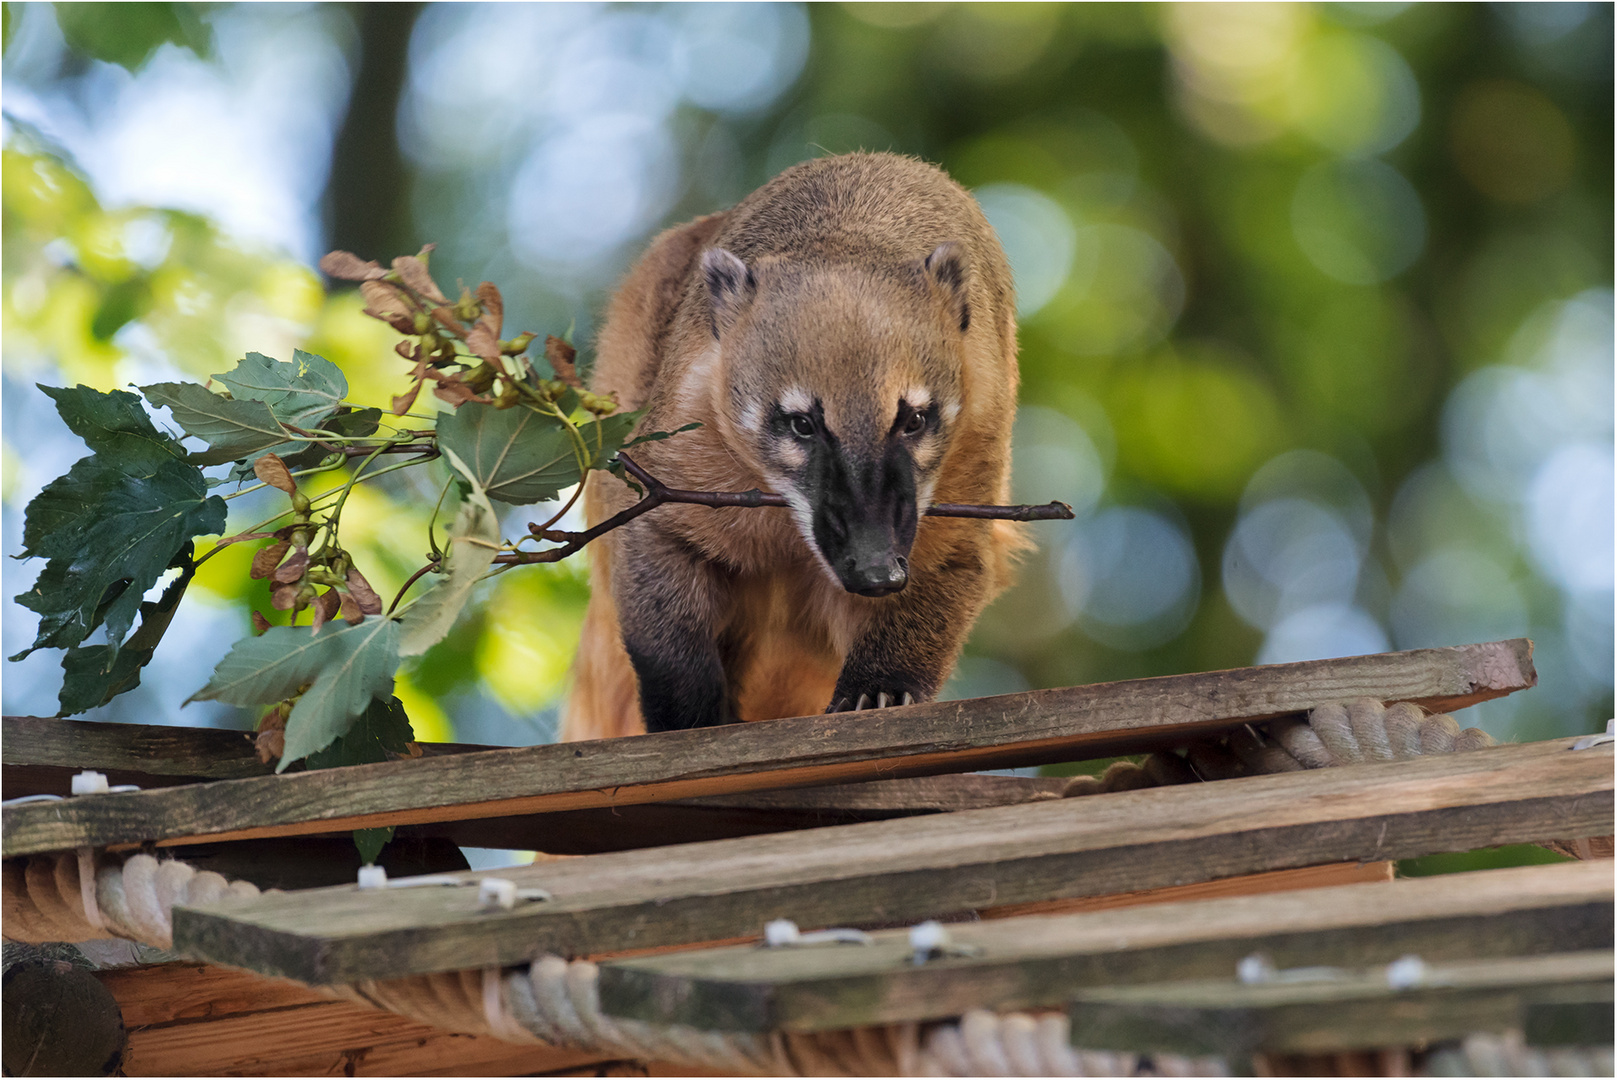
[
  {"x": 1511, "y": 141},
  {"x": 1359, "y": 222}
]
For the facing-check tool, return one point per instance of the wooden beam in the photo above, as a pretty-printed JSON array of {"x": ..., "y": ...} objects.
[
  {"x": 717, "y": 817},
  {"x": 197, "y": 1020},
  {"x": 1042, "y": 961},
  {"x": 923, "y": 867},
  {"x": 40, "y": 754},
  {"x": 1230, "y": 1019},
  {"x": 1033, "y": 728}
]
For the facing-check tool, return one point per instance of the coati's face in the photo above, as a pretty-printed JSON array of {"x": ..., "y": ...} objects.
[{"x": 845, "y": 384}]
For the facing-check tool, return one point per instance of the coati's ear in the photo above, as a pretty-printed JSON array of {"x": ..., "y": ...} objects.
[
  {"x": 730, "y": 287},
  {"x": 949, "y": 269}
]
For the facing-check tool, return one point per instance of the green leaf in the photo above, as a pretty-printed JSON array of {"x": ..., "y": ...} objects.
[
  {"x": 657, "y": 436},
  {"x": 113, "y": 524},
  {"x": 370, "y": 842},
  {"x": 95, "y": 674},
  {"x": 113, "y": 423},
  {"x": 120, "y": 304},
  {"x": 522, "y": 456},
  {"x": 303, "y": 392},
  {"x": 474, "y": 541},
  {"x": 381, "y": 732},
  {"x": 343, "y": 666},
  {"x": 230, "y": 427},
  {"x": 126, "y": 34}
]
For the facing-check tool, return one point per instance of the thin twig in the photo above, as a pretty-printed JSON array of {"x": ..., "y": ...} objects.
[
  {"x": 415, "y": 577},
  {"x": 658, "y": 493}
]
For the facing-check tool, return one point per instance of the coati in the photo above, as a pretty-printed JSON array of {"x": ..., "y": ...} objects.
[{"x": 846, "y": 337}]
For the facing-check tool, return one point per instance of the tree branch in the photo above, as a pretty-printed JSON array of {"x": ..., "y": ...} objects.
[{"x": 658, "y": 493}]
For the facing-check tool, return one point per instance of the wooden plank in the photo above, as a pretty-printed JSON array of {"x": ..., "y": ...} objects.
[
  {"x": 195, "y": 1019},
  {"x": 923, "y": 867},
  {"x": 1041, "y": 961},
  {"x": 1230, "y": 1019},
  {"x": 684, "y": 821},
  {"x": 1033, "y": 728},
  {"x": 40, "y": 754},
  {"x": 1271, "y": 881}
]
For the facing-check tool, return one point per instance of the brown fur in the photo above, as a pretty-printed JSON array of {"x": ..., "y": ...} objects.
[{"x": 842, "y": 302}]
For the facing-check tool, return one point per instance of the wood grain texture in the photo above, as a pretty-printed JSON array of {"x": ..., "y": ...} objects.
[
  {"x": 1033, "y": 728},
  {"x": 684, "y": 821},
  {"x": 1042, "y": 961},
  {"x": 1230, "y": 1019},
  {"x": 40, "y": 754},
  {"x": 199, "y": 1020},
  {"x": 924, "y": 867}
]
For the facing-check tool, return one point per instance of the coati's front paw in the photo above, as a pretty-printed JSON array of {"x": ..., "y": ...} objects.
[{"x": 881, "y": 699}]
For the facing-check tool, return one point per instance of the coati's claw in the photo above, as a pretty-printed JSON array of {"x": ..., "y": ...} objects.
[
  {"x": 883, "y": 700},
  {"x": 863, "y": 702},
  {"x": 909, "y": 698}
]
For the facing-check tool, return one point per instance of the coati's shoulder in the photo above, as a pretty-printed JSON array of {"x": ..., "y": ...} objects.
[{"x": 631, "y": 345}]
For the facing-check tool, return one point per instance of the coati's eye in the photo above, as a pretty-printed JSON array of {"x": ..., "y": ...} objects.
[
  {"x": 802, "y": 425},
  {"x": 915, "y": 424}
]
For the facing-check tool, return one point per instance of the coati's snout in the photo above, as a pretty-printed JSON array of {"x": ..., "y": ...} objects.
[{"x": 851, "y": 380}]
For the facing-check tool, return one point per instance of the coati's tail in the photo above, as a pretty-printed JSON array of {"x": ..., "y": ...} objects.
[{"x": 605, "y": 699}]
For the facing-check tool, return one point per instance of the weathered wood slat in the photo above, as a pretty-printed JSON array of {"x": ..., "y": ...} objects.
[
  {"x": 197, "y": 1020},
  {"x": 1042, "y": 961},
  {"x": 40, "y": 754},
  {"x": 1015, "y": 729},
  {"x": 1226, "y": 1018},
  {"x": 717, "y": 817},
  {"x": 925, "y": 867}
]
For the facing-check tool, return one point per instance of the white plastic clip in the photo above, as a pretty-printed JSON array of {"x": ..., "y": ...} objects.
[
  {"x": 930, "y": 940},
  {"x": 1598, "y": 740},
  {"x": 779, "y": 933},
  {"x": 1406, "y": 972},
  {"x": 89, "y": 783},
  {"x": 496, "y": 893},
  {"x": 372, "y": 877},
  {"x": 1254, "y": 969}
]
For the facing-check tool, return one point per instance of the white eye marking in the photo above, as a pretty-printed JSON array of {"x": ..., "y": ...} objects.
[
  {"x": 951, "y": 411},
  {"x": 751, "y": 418},
  {"x": 796, "y": 400},
  {"x": 917, "y": 398}
]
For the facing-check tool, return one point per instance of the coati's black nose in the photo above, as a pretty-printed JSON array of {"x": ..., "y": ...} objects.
[{"x": 878, "y": 577}]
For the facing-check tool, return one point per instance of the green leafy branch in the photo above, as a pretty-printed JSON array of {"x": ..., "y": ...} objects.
[{"x": 131, "y": 511}]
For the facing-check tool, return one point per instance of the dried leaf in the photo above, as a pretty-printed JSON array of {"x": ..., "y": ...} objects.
[
  {"x": 326, "y": 607},
  {"x": 226, "y": 541},
  {"x": 265, "y": 560},
  {"x": 450, "y": 388},
  {"x": 447, "y": 317},
  {"x": 260, "y": 624},
  {"x": 270, "y": 745},
  {"x": 407, "y": 349},
  {"x": 273, "y": 471},
  {"x": 485, "y": 344},
  {"x": 414, "y": 273},
  {"x": 561, "y": 356},
  {"x": 363, "y": 594},
  {"x": 385, "y": 299},
  {"x": 350, "y": 611},
  {"x": 284, "y": 597},
  {"x": 293, "y": 568},
  {"x": 402, "y": 323},
  {"x": 346, "y": 266},
  {"x": 493, "y": 315},
  {"x": 403, "y": 402}
]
